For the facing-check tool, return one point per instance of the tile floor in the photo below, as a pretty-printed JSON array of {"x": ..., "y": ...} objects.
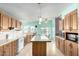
[{"x": 51, "y": 50}]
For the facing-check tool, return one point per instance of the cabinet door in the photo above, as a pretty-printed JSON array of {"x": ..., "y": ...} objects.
[
  {"x": 74, "y": 21},
  {"x": 14, "y": 47},
  {"x": 13, "y": 23},
  {"x": 71, "y": 48},
  {"x": 6, "y": 50},
  {"x": 10, "y": 22},
  {"x": 39, "y": 49},
  {"x": 1, "y": 51},
  {"x": 62, "y": 45},
  {"x": 67, "y": 23},
  {"x": 5, "y": 22},
  {"x": 57, "y": 42}
]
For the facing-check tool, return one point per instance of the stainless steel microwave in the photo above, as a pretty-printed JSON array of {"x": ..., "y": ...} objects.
[{"x": 72, "y": 36}]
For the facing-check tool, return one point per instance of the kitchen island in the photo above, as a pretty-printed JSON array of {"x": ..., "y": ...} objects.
[{"x": 39, "y": 45}]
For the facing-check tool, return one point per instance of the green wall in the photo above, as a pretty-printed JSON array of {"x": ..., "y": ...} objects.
[
  {"x": 70, "y": 8},
  {"x": 50, "y": 24}
]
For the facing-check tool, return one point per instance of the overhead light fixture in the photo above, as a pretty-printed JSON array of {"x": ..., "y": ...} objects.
[{"x": 40, "y": 17}]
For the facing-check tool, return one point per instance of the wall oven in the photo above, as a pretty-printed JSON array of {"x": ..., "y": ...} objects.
[{"x": 72, "y": 36}]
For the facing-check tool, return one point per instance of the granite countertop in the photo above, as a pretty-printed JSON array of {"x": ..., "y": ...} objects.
[
  {"x": 40, "y": 38},
  {"x": 6, "y": 41},
  {"x": 60, "y": 37}
]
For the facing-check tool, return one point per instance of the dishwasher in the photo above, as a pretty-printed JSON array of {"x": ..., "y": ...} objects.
[{"x": 20, "y": 44}]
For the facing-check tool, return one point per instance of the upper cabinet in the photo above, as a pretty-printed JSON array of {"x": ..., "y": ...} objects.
[
  {"x": 74, "y": 20},
  {"x": 8, "y": 23},
  {"x": 67, "y": 23},
  {"x": 13, "y": 23},
  {"x": 4, "y": 21},
  {"x": 70, "y": 22}
]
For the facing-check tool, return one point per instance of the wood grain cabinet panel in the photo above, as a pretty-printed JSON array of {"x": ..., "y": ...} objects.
[
  {"x": 14, "y": 48},
  {"x": 13, "y": 23},
  {"x": 67, "y": 23},
  {"x": 71, "y": 22},
  {"x": 10, "y": 22},
  {"x": 6, "y": 50},
  {"x": 9, "y": 49},
  {"x": 39, "y": 49},
  {"x": 1, "y": 51},
  {"x": 71, "y": 48},
  {"x": 4, "y": 22},
  {"x": 74, "y": 20},
  {"x": 62, "y": 46}
]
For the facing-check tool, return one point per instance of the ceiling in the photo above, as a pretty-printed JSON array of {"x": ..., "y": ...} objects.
[{"x": 31, "y": 11}]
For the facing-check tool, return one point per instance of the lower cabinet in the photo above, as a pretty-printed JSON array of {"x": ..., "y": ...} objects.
[
  {"x": 1, "y": 50},
  {"x": 27, "y": 39},
  {"x": 39, "y": 49},
  {"x": 68, "y": 48},
  {"x": 8, "y": 49},
  {"x": 60, "y": 44},
  {"x": 71, "y": 48},
  {"x": 14, "y": 48}
]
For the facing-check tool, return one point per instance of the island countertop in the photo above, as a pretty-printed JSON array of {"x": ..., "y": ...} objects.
[{"x": 40, "y": 38}]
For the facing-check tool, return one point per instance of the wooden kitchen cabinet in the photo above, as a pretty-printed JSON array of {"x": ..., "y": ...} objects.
[
  {"x": 7, "y": 49},
  {"x": 10, "y": 22},
  {"x": 71, "y": 22},
  {"x": 39, "y": 48},
  {"x": 4, "y": 21},
  {"x": 28, "y": 38},
  {"x": 1, "y": 51},
  {"x": 57, "y": 42},
  {"x": 62, "y": 46},
  {"x": 67, "y": 23},
  {"x": 14, "y": 48},
  {"x": 13, "y": 23},
  {"x": 7, "y": 22},
  {"x": 71, "y": 48},
  {"x": 74, "y": 21}
]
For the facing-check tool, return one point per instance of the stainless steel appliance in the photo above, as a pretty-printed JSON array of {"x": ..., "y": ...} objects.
[{"x": 72, "y": 36}]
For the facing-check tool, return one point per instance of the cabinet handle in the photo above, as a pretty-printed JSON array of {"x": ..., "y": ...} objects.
[
  {"x": 70, "y": 28},
  {"x": 70, "y": 45}
]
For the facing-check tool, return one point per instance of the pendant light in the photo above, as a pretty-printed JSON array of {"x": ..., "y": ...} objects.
[{"x": 40, "y": 17}]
